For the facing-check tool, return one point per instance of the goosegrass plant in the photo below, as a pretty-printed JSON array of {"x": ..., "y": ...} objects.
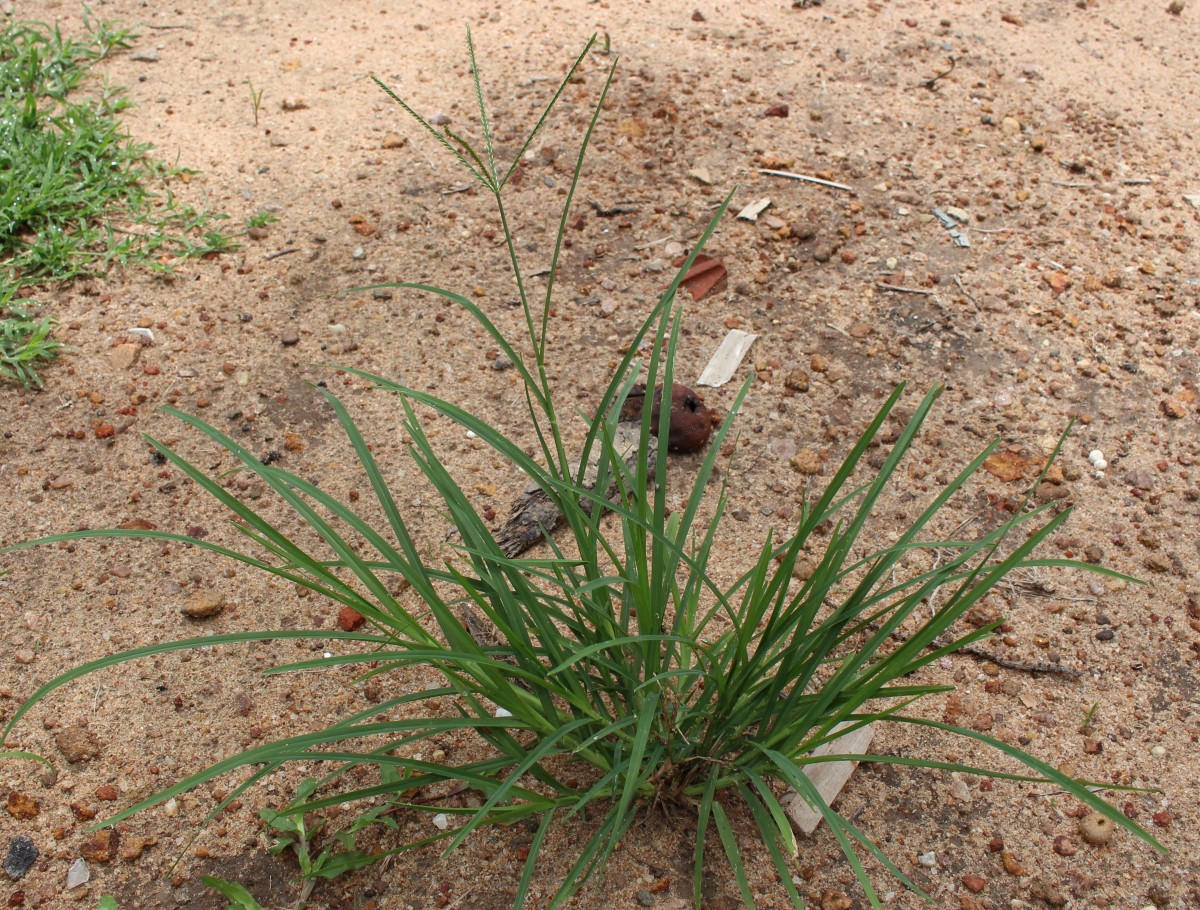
[
  {"x": 78, "y": 196},
  {"x": 625, "y": 671}
]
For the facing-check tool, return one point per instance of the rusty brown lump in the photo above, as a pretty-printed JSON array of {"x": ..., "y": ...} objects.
[{"x": 691, "y": 420}]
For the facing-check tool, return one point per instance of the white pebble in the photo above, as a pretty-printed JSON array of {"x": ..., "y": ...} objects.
[
  {"x": 927, "y": 859},
  {"x": 1096, "y": 457},
  {"x": 78, "y": 874},
  {"x": 441, "y": 821},
  {"x": 470, "y": 434},
  {"x": 1158, "y": 752},
  {"x": 503, "y": 712}
]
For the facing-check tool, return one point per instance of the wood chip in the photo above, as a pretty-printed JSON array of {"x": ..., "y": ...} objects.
[
  {"x": 727, "y": 359},
  {"x": 827, "y": 777}
]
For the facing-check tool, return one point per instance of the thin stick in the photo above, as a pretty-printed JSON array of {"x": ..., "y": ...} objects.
[
  {"x": 650, "y": 243},
  {"x": 291, "y": 249},
  {"x": 1069, "y": 185},
  {"x": 818, "y": 180},
  {"x": 896, "y": 287},
  {"x": 931, "y": 84},
  {"x": 966, "y": 293}
]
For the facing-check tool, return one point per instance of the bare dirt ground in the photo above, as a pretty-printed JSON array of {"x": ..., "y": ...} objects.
[{"x": 1065, "y": 138}]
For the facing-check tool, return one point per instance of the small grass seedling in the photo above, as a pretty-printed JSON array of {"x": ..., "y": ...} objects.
[{"x": 256, "y": 98}]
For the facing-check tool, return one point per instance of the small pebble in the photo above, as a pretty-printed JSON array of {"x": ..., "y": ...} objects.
[
  {"x": 359, "y": 253},
  {"x": 77, "y": 744},
  {"x": 806, "y": 461},
  {"x": 441, "y": 821},
  {"x": 78, "y": 874},
  {"x": 928, "y": 859},
  {"x": 1139, "y": 480},
  {"x": 1096, "y": 828},
  {"x": 974, "y": 883},
  {"x": 289, "y": 337},
  {"x": 204, "y": 604},
  {"x": 782, "y": 447},
  {"x": 645, "y": 898},
  {"x": 1158, "y": 752},
  {"x": 22, "y": 854}
]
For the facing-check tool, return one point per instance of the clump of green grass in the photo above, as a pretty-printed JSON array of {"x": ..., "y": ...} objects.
[
  {"x": 79, "y": 196},
  {"x": 629, "y": 673},
  {"x": 25, "y": 339}
]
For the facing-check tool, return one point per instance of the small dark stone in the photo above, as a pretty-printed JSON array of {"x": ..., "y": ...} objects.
[
  {"x": 645, "y": 898},
  {"x": 500, "y": 364},
  {"x": 1105, "y": 635},
  {"x": 22, "y": 854},
  {"x": 289, "y": 338}
]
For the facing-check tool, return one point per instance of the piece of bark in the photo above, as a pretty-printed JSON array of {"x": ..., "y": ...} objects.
[{"x": 534, "y": 514}]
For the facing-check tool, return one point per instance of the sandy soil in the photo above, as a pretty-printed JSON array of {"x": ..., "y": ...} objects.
[{"x": 1065, "y": 137}]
